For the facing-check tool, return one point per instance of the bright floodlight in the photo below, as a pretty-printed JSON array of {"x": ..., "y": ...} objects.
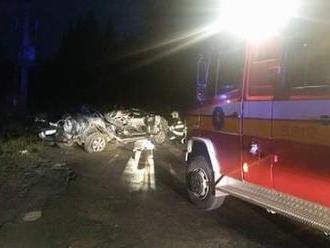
[{"x": 256, "y": 19}]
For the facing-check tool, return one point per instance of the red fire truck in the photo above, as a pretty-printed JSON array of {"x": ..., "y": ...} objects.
[{"x": 261, "y": 128}]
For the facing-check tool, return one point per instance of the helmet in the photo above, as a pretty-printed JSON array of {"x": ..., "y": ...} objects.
[{"x": 175, "y": 114}]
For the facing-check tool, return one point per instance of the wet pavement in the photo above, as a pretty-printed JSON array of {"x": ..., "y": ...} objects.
[{"x": 111, "y": 203}]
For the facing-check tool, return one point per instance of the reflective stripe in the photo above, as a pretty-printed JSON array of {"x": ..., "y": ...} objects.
[
  {"x": 257, "y": 109},
  {"x": 301, "y": 109},
  {"x": 179, "y": 126},
  {"x": 229, "y": 109},
  {"x": 303, "y": 121},
  {"x": 288, "y": 110},
  {"x": 178, "y": 133}
]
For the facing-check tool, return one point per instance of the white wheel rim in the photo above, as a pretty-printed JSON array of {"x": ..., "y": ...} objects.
[
  {"x": 199, "y": 183},
  {"x": 98, "y": 144}
]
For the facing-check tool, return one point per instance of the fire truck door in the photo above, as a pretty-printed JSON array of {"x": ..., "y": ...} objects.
[
  {"x": 301, "y": 125},
  {"x": 301, "y": 132},
  {"x": 263, "y": 73},
  {"x": 257, "y": 156},
  {"x": 223, "y": 129}
]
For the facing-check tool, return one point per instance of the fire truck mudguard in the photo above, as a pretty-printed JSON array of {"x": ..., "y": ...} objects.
[
  {"x": 203, "y": 174},
  {"x": 204, "y": 147}
]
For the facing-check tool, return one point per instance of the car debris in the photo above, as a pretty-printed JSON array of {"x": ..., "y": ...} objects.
[
  {"x": 133, "y": 124},
  {"x": 141, "y": 146},
  {"x": 23, "y": 152},
  {"x": 93, "y": 130},
  {"x": 32, "y": 216},
  {"x": 25, "y": 195},
  {"x": 139, "y": 174},
  {"x": 84, "y": 130}
]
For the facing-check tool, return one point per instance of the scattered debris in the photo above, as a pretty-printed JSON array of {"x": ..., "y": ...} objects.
[
  {"x": 139, "y": 147},
  {"x": 59, "y": 165},
  {"x": 140, "y": 175},
  {"x": 32, "y": 216},
  {"x": 23, "y": 152},
  {"x": 31, "y": 189}
]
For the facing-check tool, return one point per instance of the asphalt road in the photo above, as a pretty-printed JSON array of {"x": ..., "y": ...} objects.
[{"x": 113, "y": 204}]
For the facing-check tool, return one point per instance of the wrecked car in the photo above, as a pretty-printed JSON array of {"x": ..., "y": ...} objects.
[
  {"x": 134, "y": 123},
  {"x": 93, "y": 130},
  {"x": 90, "y": 132}
]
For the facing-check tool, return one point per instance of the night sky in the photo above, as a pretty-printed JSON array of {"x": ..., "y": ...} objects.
[
  {"x": 100, "y": 52},
  {"x": 53, "y": 17}
]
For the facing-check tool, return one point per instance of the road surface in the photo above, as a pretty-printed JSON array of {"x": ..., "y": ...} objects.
[{"x": 111, "y": 204}]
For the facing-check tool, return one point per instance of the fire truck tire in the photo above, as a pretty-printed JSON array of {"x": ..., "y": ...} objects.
[
  {"x": 95, "y": 142},
  {"x": 200, "y": 184}
]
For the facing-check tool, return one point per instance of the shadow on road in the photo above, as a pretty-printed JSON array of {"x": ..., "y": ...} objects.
[{"x": 169, "y": 170}]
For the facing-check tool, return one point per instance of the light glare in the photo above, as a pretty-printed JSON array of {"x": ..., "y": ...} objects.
[{"x": 256, "y": 19}]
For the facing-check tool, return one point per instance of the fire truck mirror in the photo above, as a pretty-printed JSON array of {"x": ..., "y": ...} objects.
[{"x": 218, "y": 118}]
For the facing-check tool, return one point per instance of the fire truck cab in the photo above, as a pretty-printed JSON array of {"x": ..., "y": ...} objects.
[{"x": 260, "y": 130}]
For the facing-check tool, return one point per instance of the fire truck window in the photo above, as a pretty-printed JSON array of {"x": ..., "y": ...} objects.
[
  {"x": 212, "y": 77},
  {"x": 263, "y": 71},
  {"x": 203, "y": 67},
  {"x": 308, "y": 65},
  {"x": 230, "y": 70}
]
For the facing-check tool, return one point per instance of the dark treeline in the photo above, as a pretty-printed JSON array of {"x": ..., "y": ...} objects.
[
  {"x": 102, "y": 63},
  {"x": 95, "y": 66}
]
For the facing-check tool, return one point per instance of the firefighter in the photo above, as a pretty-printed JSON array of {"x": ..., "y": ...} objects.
[{"x": 177, "y": 128}]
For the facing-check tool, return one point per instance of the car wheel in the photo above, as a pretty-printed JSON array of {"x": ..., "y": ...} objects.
[
  {"x": 200, "y": 184},
  {"x": 95, "y": 142}
]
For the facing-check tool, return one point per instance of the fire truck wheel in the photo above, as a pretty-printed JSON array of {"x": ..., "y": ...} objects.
[
  {"x": 200, "y": 184},
  {"x": 95, "y": 142}
]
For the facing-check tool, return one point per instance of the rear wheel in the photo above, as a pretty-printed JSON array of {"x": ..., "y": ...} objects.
[
  {"x": 200, "y": 184},
  {"x": 95, "y": 142}
]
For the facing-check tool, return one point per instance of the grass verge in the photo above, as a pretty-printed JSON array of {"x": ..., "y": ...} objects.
[{"x": 15, "y": 153}]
